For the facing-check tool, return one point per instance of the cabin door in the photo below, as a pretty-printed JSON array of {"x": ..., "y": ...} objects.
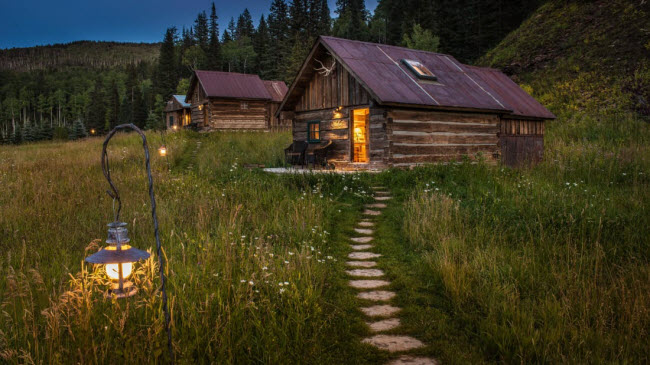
[{"x": 360, "y": 125}]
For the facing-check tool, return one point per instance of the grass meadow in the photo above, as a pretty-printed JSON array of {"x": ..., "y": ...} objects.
[{"x": 491, "y": 264}]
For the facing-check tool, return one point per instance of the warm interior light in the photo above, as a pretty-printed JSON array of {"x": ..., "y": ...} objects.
[
  {"x": 360, "y": 135},
  {"x": 201, "y": 107},
  {"x": 112, "y": 270},
  {"x": 175, "y": 127},
  {"x": 162, "y": 151}
]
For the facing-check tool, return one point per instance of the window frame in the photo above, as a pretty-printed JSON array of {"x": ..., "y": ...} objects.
[
  {"x": 309, "y": 124},
  {"x": 243, "y": 105},
  {"x": 417, "y": 73}
]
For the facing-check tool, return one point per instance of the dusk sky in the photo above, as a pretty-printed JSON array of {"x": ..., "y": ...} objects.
[{"x": 29, "y": 23}]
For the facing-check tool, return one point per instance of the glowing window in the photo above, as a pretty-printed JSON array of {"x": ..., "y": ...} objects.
[
  {"x": 313, "y": 130},
  {"x": 420, "y": 70}
]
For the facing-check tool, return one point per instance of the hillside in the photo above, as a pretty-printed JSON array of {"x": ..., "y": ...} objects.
[
  {"x": 88, "y": 54},
  {"x": 582, "y": 56}
]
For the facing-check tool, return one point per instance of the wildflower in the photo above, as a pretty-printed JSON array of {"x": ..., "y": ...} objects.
[
  {"x": 290, "y": 253},
  {"x": 281, "y": 290},
  {"x": 286, "y": 283},
  {"x": 286, "y": 262},
  {"x": 265, "y": 268},
  {"x": 243, "y": 281},
  {"x": 251, "y": 283}
]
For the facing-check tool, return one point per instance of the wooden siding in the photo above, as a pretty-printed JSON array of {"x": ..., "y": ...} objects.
[
  {"x": 522, "y": 141},
  {"x": 421, "y": 137},
  {"x": 335, "y": 126},
  {"x": 339, "y": 89},
  {"x": 229, "y": 114}
]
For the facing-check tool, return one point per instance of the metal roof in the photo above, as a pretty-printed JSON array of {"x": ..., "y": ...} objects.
[
  {"x": 181, "y": 100},
  {"x": 379, "y": 69},
  {"x": 231, "y": 85},
  {"x": 523, "y": 105},
  {"x": 277, "y": 89}
]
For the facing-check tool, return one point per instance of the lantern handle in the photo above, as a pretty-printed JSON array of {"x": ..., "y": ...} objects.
[{"x": 113, "y": 193}]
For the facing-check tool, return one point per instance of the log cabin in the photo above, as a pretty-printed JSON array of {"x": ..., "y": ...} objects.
[
  {"x": 385, "y": 106},
  {"x": 177, "y": 113},
  {"x": 235, "y": 101}
]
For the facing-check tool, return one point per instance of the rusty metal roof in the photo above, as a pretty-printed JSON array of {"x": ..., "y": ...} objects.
[
  {"x": 233, "y": 85},
  {"x": 379, "y": 69},
  {"x": 277, "y": 89}
]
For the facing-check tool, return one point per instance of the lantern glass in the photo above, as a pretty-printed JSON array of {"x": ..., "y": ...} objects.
[
  {"x": 162, "y": 151},
  {"x": 113, "y": 270}
]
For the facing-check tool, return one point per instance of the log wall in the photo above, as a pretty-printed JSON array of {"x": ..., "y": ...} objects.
[
  {"x": 415, "y": 137},
  {"x": 522, "y": 141},
  {"x": 335, "y": 126},
  {"x": 229, "y": 114}
]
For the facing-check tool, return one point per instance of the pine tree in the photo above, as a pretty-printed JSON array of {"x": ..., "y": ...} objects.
[
  {"x": 352, "y": 20},
  {"x": 324, "y": 19},
  {"x": 78, "y": 130},
  {"x": 262, "y": 46},
  {"x": 245, "y": 26},
  {"x": 201, "y": 31},
  {"x": 214, "y": 50},
  {"x": 278, "y": 24},
  {"x": 166, "y": 75}
]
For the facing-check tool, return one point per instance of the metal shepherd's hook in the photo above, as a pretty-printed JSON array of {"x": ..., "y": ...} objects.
[{"x": 113, "y": 193}]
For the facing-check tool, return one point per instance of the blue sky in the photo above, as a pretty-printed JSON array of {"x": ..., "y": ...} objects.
[{"x": 36, "y": 22}]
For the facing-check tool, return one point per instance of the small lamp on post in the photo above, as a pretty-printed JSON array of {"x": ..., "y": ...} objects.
[
  {"x": 162, "y": 151},
  {"x": 92, "y": 131},
  {"x": 119, "y": 256}
]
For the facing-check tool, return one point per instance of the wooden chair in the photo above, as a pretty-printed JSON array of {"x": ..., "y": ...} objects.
[
  {"x": 317, "y": 153},
  {"x": 295, "y": 153}
]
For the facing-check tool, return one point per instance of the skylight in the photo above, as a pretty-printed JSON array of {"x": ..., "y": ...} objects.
[{"x": 420, "y": 70}]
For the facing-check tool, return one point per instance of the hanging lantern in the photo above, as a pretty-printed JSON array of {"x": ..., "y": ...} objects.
[
  {"x": 92, "y": 131},
  {"x": 162, "y": 151},
  {"x": 118, "y": 259}
]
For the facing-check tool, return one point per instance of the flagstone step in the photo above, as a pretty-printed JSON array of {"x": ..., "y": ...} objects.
[
  {"x": 383, "y": 198},
  {"x": 393, "y": 343},
  {"x": 382, "y": 192},
  {"x": 366, "y": 224},
  {"x": 371, "y": 212},
  {"x": 380, "y": 310},
  {"x": 365, "y": 239},
  {"x": 368, "y": 273},
  {"x": 384, "y": 325},
  {"x": 411, "y": 360},
  {"x": 364, "y": 231},
  {"x": 376, "y": 205},
  {"x": 361, "y": 247},
  {"x": 368, "y": 284},
  {"x": 361, "y": 263},
  {"x": 377, "y": 295},
  {"x": 363, "y": 255}
]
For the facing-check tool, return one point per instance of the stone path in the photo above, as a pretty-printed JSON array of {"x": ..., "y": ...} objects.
[{"x": 368, "y": 280}]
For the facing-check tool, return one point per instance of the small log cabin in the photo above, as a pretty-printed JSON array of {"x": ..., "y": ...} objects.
[
  {"x": 235, "y": 101},
  {"x": 386, "y": 106},
  {"x": 177, "y": 112}
]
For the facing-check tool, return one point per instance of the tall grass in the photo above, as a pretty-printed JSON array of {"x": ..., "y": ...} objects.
[
  {"x": 549, "y": 264},
  {"x": 249, "y": 254}
]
